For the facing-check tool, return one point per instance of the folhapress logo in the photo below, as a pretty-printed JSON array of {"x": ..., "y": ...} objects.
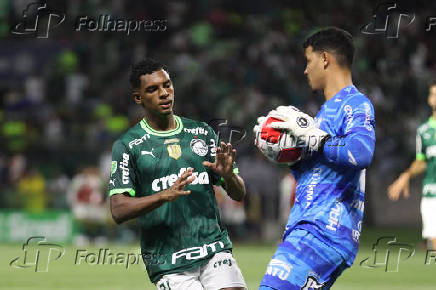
[
  {"x": 387, "y": 20},
  {"x": 38, "y": 254},
  {"x": 387, "y": 254},
  {"x": 38, "y": 20}
]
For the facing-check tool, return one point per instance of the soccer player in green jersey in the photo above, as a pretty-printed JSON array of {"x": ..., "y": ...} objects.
[
  {"x": 425, "y": 161},
  {"x": 163, "y": 172}
]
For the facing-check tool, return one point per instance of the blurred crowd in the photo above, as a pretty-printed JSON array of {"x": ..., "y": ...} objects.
[{"x": 65, "y": 99}]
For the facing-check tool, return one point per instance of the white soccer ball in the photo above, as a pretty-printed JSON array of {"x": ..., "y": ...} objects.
[{"x": 276, "y": 145}]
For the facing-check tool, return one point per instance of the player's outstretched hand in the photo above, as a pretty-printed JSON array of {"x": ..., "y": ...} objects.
[
  {"x": 225, "y": 156},
  {"x": 401, "y": 185},
  {"x": 178, "y": 188}
]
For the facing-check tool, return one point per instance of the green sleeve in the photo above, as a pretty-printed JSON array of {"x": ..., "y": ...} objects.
[
  {"x": 122, "y": 178},
  {"x": 420, "y": 155}
]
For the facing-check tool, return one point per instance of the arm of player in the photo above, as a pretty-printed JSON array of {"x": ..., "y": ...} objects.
[
  {"x": 355, "y": 148},
  {"x": 401, "y": 184},
  {"x": 223, "y": 166},
  {"x": 124, "y": 207}
]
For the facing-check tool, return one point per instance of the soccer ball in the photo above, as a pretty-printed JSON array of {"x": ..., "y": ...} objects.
[{"x": 276, "y": 145}]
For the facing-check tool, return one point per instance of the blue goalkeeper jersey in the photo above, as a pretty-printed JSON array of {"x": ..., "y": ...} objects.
[{"x": 329, "y": 200}]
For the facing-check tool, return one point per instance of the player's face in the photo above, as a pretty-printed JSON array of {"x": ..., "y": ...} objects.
[
  {"x": 314, "y": 69},
  {"x": 432, "y": 97},
  {"x": 156, "y": 93}
]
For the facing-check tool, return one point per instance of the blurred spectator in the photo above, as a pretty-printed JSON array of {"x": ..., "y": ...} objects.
[
  {"x": 86, "y": 198},
  {"x": 31, "y": 189}
]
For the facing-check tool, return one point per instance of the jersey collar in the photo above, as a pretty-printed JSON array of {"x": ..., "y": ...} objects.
[
  {"x": 431, "y": 122},
  {"x": 343, "y": 93},
  {"x": 149, "y": 130}
]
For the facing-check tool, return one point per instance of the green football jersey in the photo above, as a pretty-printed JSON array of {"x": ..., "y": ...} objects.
[
  {"x": 185, "y": 233},
  {"x": 426, "y": 150}
]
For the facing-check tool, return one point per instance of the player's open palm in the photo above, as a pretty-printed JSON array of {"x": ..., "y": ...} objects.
[
  {"x": 178, "y": 188},
  {"x": 225, "y": 156},
  {"x": 401, "y": 185}
]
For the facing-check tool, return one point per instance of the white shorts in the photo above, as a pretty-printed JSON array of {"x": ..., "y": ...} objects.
[
  {"x": 220, "y": 272},
  {"x": 428, "y": 213}
]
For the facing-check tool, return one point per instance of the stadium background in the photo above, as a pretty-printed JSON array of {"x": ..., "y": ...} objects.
[{"x": 65, "y": 99}]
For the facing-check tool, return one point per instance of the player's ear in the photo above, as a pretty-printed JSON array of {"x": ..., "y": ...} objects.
[
  {"x": 136, "y": 96},
  {"x": 325, "y": 58}
]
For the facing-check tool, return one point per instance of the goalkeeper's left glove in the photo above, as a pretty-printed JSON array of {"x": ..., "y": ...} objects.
[
  {"x": 300, "y": 125},
  {"x": 257, "y": 129}
]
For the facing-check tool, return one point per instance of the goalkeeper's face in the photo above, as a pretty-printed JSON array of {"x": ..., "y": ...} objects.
[
  {"x": 315, "y": 69},
  {"x": 156, "y": 93}
]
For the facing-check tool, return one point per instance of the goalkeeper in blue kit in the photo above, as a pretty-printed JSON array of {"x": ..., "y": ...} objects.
[{"x": 321, "y": 238}]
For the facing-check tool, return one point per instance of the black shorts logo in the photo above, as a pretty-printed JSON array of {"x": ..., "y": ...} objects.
[{"x": 312, "y": 283}]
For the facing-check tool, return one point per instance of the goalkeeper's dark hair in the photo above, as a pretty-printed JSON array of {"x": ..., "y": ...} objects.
[
  {"x": 432, "y": 83},
  {"x": 334, "y": 40},
  {"x": 144, "y": 67}
]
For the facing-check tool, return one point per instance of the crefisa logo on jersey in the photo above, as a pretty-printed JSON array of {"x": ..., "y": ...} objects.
[
  {"x": 124, "y": 166},
  {"x": 196, "y": 131},
  {"x": 199, "y": 147}
]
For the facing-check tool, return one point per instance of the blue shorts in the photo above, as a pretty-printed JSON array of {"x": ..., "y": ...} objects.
[{"x": 302, "y": 261}]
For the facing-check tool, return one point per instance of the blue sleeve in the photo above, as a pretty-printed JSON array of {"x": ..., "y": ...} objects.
[{"x": 354, "y": 145}]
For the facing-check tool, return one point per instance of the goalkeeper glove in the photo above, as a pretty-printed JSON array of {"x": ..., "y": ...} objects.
[
  {"x": 258, "y": 128},
  {"x": 300, "y": 125}
]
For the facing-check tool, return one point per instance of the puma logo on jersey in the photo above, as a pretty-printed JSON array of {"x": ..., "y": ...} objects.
[
  {"x": 143, "y": 152},
  {"x": 166, "y": 182}
]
